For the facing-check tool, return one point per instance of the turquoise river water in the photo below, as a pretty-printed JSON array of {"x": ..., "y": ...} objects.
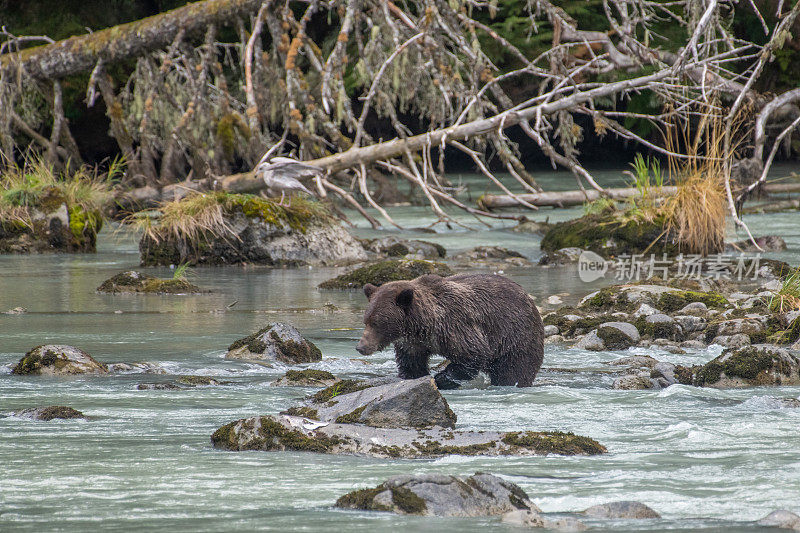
[{"x": 706, "y": 459}]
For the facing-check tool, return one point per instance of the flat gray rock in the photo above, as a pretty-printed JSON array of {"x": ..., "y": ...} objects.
[
  {"x": 621, "y": 509},
  {"x": 633, "y": 383},
  {"x": 591, "y": 341},
  {"x": 441, "y": 495},
  {"x": 415, "y": 403},
  {"x": 299, "y": 433},
  {"x": 781, "y": 519}
]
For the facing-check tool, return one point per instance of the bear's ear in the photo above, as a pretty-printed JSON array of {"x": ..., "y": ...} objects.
[
  {"x": 404, "y": 298},
  {"x": 369, "y": 290}
]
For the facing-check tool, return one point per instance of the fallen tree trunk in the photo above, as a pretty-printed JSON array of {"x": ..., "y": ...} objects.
[
  {"x": 570, "y": 198},
  {"x": 81, "y": 53}
]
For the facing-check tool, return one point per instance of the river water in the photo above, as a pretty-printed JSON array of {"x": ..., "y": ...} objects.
[{"x": 706, "y": 459}]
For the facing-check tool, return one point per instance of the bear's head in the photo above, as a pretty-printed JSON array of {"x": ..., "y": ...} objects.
[{"x": 385, "y": 315}]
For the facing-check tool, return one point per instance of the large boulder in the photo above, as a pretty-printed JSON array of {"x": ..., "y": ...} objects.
[
  {"x": 441, "y": 495},
  {"x": 306, "y": 378},
  {"x": 57, "y": 359},
  {"x": 781, "y": 519},
  {"x": 759, "y": 364},
  {"x": 276, "y": 342},
  {"x": 384, "y": 272},
  {"x": 415, "y": 403},
  {"x": 133, "y": 281},
  {"x": 240, "y": 229},
  {"x": 621, "y": 509},
  {"x": 298, "y": 433}
]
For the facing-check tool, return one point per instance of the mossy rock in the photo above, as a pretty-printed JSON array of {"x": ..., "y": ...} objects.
[
  {"x": 255, "y": 230},
  {"x": 70, "y": 230},
  {"x": 55, "y": 359},
  {"x": 50, "y": 413},
  {"x": 199, "y": 381},
  {"x": 669, "y": 302},
  {"x": 386, "y": 271},
  {"x": 750, "y": 366},
  {"x": 307, "y": 378},
  {"x": 609, "y": 235},
  {"x": 277, "y": 341},
  {"x": 133, "y": 281},
  {"x": 557, "y": 442},
  {"x": 268, "y": 434},
  {"x": 345, "y": 386}
]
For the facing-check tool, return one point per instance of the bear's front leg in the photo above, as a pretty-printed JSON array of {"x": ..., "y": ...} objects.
[
  {"x": 412, "y": 361},
  {"x": 452, "y": 376}
]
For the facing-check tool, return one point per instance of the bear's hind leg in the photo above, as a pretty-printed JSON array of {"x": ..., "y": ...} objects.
[
  {"x": 452, "y": 376},
  {"x": 509, "y": 375}
]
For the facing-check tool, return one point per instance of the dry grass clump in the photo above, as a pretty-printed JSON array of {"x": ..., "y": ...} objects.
[
  {"x": 200, "y": 216},
  {"x": 697, "y": 214}
]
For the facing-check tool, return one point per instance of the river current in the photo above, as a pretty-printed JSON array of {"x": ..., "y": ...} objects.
[{"x": 705, "y": 459}]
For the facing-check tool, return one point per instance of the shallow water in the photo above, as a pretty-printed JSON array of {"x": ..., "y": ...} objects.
[{"x": 706, "y": 459}]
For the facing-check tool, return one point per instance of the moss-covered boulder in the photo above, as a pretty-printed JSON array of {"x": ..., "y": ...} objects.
[
  {"x": 386, "y": 271},
  {"x": 610, "y": 235},
  {"x": 276, "y": 342},
  {"x": 227, "y": 229},
  {"x": 628, "y": 297},
  {"x": 306, "y": 378},
  {"x": 392, "y": 246},
  {"x": 133, "y": 281},
  {"x": 49, "y": 413},
  {"x": 760, "y": 364},
  {"x": 56, "y": 359},
  {"x": 441, "y": 495},
  {"x": 200, "y": 381},
  {"x": 298, "y": 433},
  {"x": 50, "y": 227}
]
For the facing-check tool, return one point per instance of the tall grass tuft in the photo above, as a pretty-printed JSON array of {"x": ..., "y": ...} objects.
[
  {"x": 788, "y": 296},
  {"x": 696, "y": 216}
]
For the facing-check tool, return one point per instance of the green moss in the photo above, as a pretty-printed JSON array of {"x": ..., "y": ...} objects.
[
  {"x": 226, "y": 134},
  {"x": 58, "y": 411},
  {"x": 308, "y": 374},
  {"x": 791, "y": 334},
  {"x": 554, "y": 442},
  {"x": 304, "y": 411},
  {"x": 128, "y": 282},
  {"x": 613, "y": 338},
  {"x": 606, "y": 298},
  {"x": 432, "y": 448},
  {"x": 362, "y": 499},
  {"x": 306, "y": 352},
  {"x": 658, "y": 330},
  {"x": 389, "y": 451},
  {"x": 747, "y": 363},
  {"x": 343, "y": 387},
  {"x": 608, "y": 234},
  {"x": 684, "y": 375},
  {"x": 669, "y": 302},
  {"x": 195, "y": 381},
  {"x": 272, "y": 435},
  {"x": 84, "y": 226},
  {"x": 386, "y": 271},
  {"x": 31, "y": 363},
  {"x": 352, "y": 417},
  {"x": 407, "y": 501}
]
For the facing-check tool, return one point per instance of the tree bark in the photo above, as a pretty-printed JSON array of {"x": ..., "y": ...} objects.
[
  {"x": 570, "y": 198},
  {"x": 80, "y": 53}
]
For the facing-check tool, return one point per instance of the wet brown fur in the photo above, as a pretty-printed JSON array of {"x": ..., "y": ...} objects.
[{"x": 479, "y": 322}]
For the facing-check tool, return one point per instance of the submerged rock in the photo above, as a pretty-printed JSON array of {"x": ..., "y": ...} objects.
[
  {"x": 199, "y": 381},
  {"x": 781, "y": 519},
  {"x": 760, "y": 364},
  {"x": 633, "y": 383},
  {"x": 492, "y": 255},
  {"x": 441, "y": 495},
  {"x": 386, "y": 271},
  {"x": 286, "y": 432},
  {"x": 530, "y": 226},
  {"x": 396, "y": 247},
  {"x": 16, "y": 311},
  {"x": 57, "y": 359},
  {"x": 49, "y": 413},
  {"x": 306, "y": 378},
  {"x": 768, "y": 243},
  {"x": 254, "y": 230},
  {"x": 136, "y": 368},
  {"x": 415, "y": 403},
  {"x": 622, "y": 509},
  {"x": 277, "y": 341},
  {"x": 133, "y": 281},
  {"x": 167, "y": 385}
]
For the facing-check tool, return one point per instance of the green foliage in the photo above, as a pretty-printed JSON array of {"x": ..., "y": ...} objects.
[
  {"x": 182, "y": 271},
  {"x": 788, "y": 296}
]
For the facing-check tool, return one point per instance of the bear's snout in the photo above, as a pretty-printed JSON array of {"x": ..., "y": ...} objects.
[
  {"x": 362, "y": 348},
  {"x": 368, "y": 344}
]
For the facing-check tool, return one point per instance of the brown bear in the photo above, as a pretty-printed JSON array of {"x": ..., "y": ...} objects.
[{"x": 479, "y": 322}]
